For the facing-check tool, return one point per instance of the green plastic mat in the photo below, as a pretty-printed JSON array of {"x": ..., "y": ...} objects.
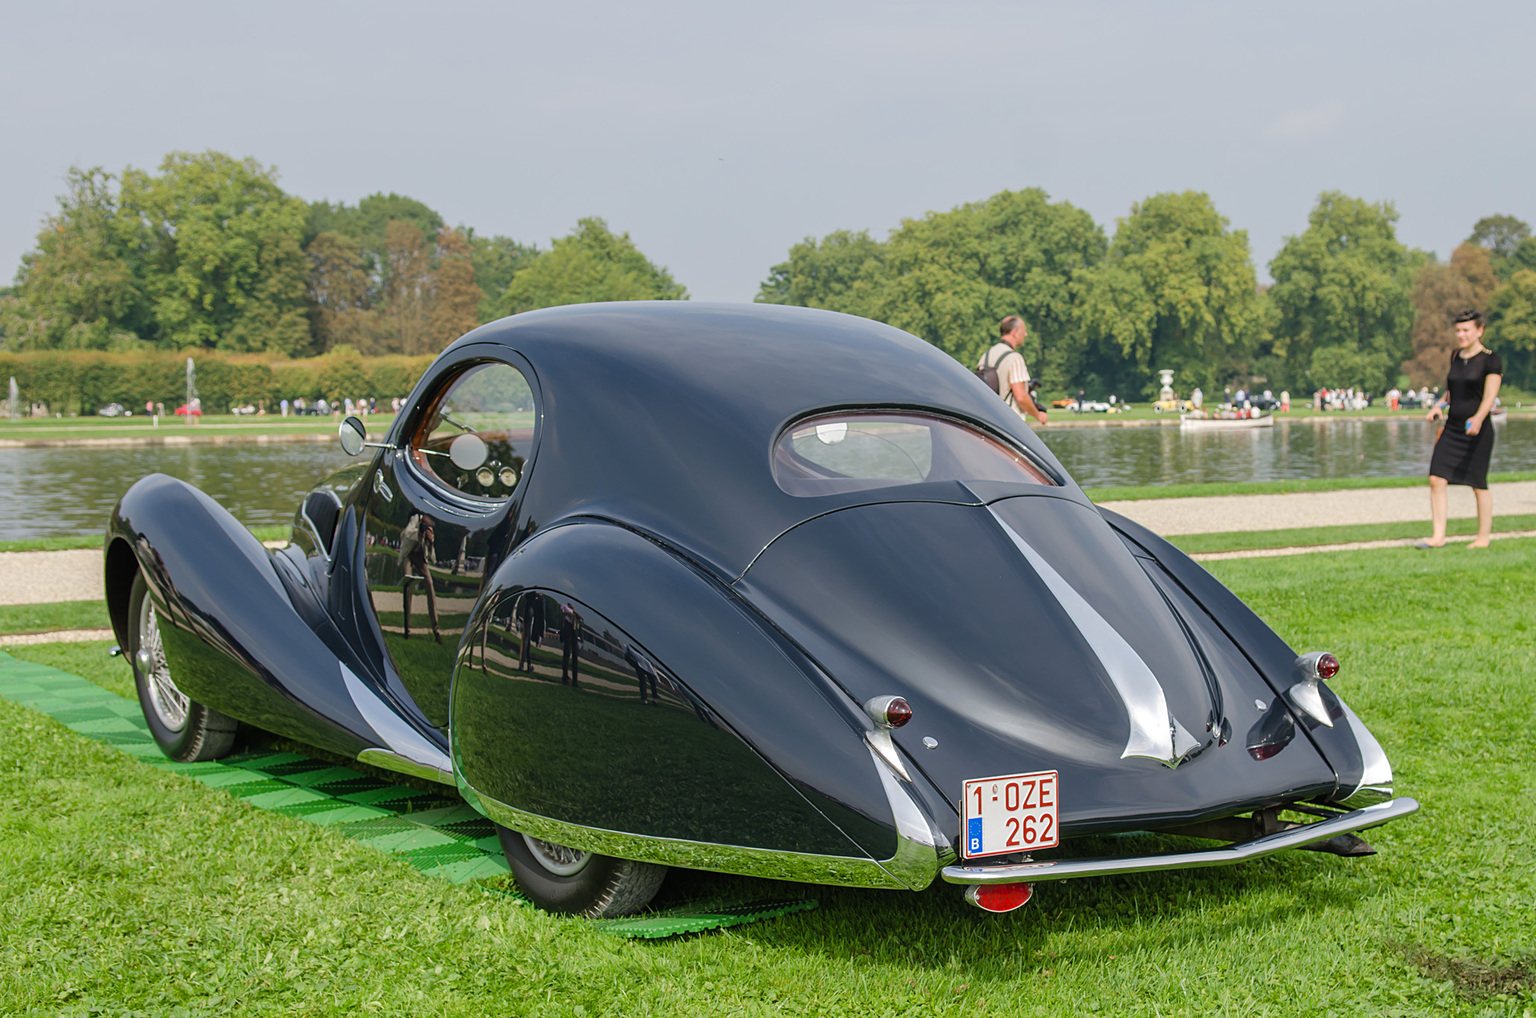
[
  {"x": 438, "y": 834},
  {"x": 694, "y": 917}
]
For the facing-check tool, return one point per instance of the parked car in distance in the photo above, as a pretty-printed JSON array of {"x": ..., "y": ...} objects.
[
  {"x": 114, "y": 410},
  {"x": 189, "y": 410}
]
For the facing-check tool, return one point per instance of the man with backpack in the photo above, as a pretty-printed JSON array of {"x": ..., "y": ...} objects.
[{"x": 1003, "y": 369}]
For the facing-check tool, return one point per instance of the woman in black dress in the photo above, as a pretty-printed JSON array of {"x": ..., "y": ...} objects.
[{"x": 1466, "y": 442}]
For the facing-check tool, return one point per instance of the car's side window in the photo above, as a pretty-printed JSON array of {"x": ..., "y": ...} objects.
[{"x": 477, "y": 431}]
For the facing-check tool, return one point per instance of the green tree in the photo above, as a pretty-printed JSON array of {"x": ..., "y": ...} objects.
[
  {"x": 589, "y": 264},
  {"x": 950, "y": 277},
  {"x": 340, "y": 293},
  {"x": 1500, "y": 236},
  {"x": 455, "y": 295},
  {"x": 1512, "y": 328},
  {"x": 496, "y": 260},
  {"x": 368, "y": 221},
  {"x": 1523, "y": 258},
  {"x": 406, "y": 304},
  {"x": 1179, "y": 291},
  {"x": 82, "y": 286},
  {"x": 224, "y": 264},
  {"x": 844, "y": 271},
  {"x": 1344, "y": 282},
  {"x": 1439, "y": 292}
]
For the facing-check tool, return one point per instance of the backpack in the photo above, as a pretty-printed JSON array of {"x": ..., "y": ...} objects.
[{"x": 987, "y": 372}]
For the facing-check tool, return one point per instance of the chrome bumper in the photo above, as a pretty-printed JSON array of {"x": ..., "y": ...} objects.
[{"x": 1295, "y": 837}]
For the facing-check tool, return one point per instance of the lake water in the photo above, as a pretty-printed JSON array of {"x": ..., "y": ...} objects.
[
  {"x": 50, "y": 492},
  {"x": 1292, "y": 449}
]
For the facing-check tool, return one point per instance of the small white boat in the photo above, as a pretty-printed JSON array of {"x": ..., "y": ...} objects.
[{"x": 1204, "y": 421}]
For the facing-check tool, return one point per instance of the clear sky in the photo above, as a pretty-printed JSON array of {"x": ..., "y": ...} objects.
[{"x": 718, "y": 134}]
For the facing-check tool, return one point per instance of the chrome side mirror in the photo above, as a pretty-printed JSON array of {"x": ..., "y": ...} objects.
[{"x": 353, "y": 436}]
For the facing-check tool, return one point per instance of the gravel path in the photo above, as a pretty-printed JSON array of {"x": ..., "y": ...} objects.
[
  {"x": 1223, "y": 513},
  {"x": 38, "y": 577}
]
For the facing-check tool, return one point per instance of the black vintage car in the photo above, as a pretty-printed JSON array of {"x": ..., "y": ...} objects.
[{"x": 760, "y": 590}]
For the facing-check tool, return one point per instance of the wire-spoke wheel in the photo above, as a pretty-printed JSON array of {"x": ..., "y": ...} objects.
[
  {"x": 184, "y": 729},
  {"x": 562, "y": 879}
]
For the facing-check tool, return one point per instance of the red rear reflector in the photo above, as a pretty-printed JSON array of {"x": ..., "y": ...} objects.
[
  {"x": 999, "y": 897},
  {"x": 898, "y": 712},
  {"x": 1327, "y": 666}
]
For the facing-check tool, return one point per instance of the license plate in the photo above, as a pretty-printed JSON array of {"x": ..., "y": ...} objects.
[{"x": 1011, "y": 813}]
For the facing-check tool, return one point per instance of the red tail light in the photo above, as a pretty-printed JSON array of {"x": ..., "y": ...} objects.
[
  {"x": 1327, "y": 666},
  {"x": 889, "y": 711},
  {"x": 999, "y": 897}
]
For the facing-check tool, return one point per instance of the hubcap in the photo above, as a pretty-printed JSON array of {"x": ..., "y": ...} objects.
[
  {"x": 559, "y": 860},
  {"x": 170, "y": 704}
]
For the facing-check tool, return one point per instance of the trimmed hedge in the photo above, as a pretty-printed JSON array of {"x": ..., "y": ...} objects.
[{"x": 81, "y": 381}]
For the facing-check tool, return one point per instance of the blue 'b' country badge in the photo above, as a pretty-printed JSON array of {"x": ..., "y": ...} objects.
[{"x": 973, "y": 834}]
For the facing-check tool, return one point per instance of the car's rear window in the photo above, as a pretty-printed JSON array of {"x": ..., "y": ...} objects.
[{"x": 841, "y": 452}]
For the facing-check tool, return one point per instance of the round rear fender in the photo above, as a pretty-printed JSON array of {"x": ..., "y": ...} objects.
[{"x": 705, "y": 642}]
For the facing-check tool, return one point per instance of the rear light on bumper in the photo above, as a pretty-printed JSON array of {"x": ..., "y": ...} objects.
[{"x": 999, "y": 897}]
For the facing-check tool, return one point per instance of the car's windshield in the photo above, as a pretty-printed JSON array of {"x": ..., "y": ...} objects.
[{"x": 841, "y": 452}]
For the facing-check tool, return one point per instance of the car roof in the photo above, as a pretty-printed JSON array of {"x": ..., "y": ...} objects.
[{"x": 663, "y": 414}]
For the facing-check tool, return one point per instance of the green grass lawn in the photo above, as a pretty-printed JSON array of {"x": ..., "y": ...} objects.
[
  {"x": 1238, "y": 540},
  {"x": 132, "y": 890},
  {"x": 39, "y": 618}
]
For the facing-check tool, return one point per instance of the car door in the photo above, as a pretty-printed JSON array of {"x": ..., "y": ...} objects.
[{"x": 440, "y": 514}]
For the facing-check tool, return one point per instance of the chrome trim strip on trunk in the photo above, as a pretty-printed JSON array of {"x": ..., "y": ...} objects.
[
  {"x": 1155, "y": 733},
  {"x": 1295, "y": 837}
]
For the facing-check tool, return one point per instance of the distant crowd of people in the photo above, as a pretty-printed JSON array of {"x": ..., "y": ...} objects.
[{"x": 361, "y": 406}]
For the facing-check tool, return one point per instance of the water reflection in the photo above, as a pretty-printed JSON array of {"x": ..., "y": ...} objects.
[
  {"x": 1292, "y": 449},
  {"x": 56, "y": 492},
  {"x": 61, "y": 491}
]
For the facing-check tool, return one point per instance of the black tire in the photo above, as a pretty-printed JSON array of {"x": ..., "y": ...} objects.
[
  {"x": 588, "y": 885},
  {"x": 185, "y": 730}
]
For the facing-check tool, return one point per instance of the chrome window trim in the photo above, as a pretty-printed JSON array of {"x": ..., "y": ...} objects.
[
  {"x": 463, "y": 502},
  {"x": 1011, "y": 443}
]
